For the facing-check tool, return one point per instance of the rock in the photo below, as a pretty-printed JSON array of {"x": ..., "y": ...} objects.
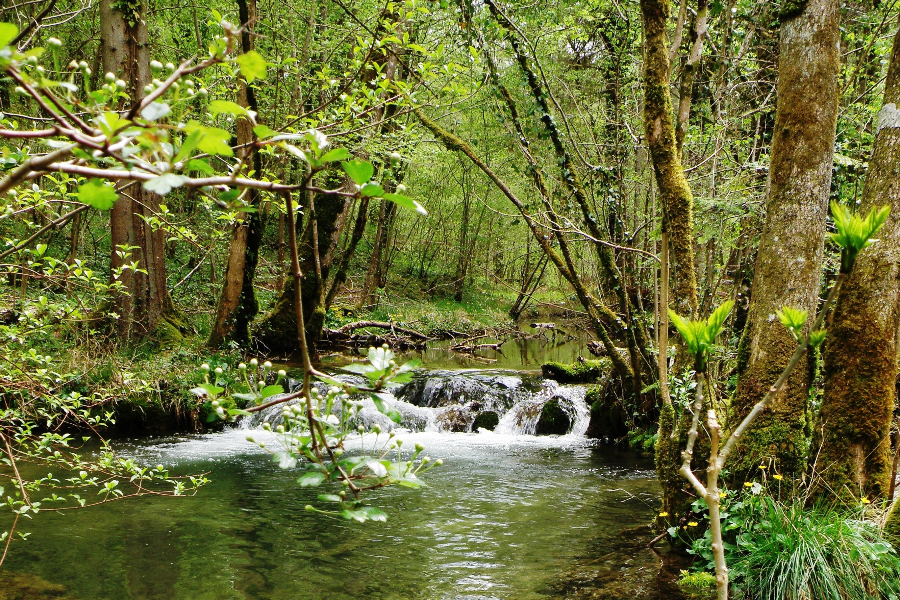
[
  {"x": 608, "y": 417},
  {"x": 587, "y": 371},
  {"x": 553, "y": 420},
  {"x": 486, "y": 420}
]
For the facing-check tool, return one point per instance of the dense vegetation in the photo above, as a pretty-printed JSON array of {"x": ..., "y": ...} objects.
[{"x": 212, "y": 182}]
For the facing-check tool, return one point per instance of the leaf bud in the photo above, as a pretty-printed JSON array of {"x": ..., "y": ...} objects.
[
  {"x": 110, "y": 77},
  {"x": 155, "y": 65},
  {"x": 54, "y": 42},
  {"x": 83, "y": 65},
  {"x": 360, "y": 429},
  {"x": 215, "y": 404},
  {"x": 267, "y": 426},
  {"x": 376, "y": 428},
  {"x": 219, "y": 371},
  {"x": 261, "y": 383},
  {"x": 204, "y": 367},
  {"x": 120, "y": 84},
  {"x": 203, "y": 92},
  {"x": 282, "y": 373},
  {"x": 267, "y": 365},
  {"x": 242, "y": 367},
  {"x": 170, "y": 66},
  {"x": 419, "y": 447},
  {"x": 254, "y": 362},
  {"x": 439, "y": 462}
]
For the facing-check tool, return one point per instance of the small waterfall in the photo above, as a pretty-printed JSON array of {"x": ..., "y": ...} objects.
[{"x": 453, "y": 401}]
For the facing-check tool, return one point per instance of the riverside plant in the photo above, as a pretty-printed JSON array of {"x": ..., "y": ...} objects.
[
  {"x": 313, "y": 431},
  {"x": 165, "y": 140},
  {"x": 853, "y": 234}
]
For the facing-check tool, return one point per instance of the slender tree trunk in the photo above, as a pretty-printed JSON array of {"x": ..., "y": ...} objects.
[
  {"x": 861, "y": 348},
  {"x": 674, "y": 192},
  {"x": 237, "y": 305},
  {"x": 788, "y": 265},
  {"x": 142, "y": 303}
]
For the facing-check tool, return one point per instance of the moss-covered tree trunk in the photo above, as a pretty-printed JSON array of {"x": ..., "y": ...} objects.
[
  {"x": 277, "y": 331},
  {"x": 237, "y": 305},
  {"x": 861, "y": 349},
  {"x": 788, "y": 264},
  {"x": 674, "y": 192}
]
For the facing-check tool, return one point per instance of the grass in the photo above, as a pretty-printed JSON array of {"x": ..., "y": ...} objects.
[{"x": 795, "y": 553}]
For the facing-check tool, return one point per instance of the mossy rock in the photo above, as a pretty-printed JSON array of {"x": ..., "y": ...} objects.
[
  {"x": 587, "y": 371},
  {"x": 553, "y": 420},
  {"x": 608, "y": 418},
  {"x": 24, "y": 586},
  {"x": 486, "y": 420}
]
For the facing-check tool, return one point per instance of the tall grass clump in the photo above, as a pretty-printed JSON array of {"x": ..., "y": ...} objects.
[{"x": 788, "y": 552}]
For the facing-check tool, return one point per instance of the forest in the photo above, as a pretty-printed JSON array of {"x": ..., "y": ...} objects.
[{"x": 575, "y": 299}]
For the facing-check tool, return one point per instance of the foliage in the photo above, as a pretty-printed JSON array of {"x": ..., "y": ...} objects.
[
  {"x": 700, "y": 336},
  {"x": 785, "y": 551},
  {"x": 854, "y": 233}
]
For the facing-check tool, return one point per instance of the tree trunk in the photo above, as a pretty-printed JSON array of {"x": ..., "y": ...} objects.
[
  {"x": 788, "y": 265},
  {"x": 861, "y": 348},
  {"x": 675, "y": 193},
  {"x": 142, "y": 304},
  {"x": 237, "y": 305},
  {"x": 277, "y": 331}
]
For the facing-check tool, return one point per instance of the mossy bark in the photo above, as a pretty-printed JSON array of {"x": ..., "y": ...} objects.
[
  {"x": 892, "y": 526},
  {"x": 861, "y": 349},
  {"x": 277, "y": 331},
  {"x": 675, "y": 194},
  {"x": 788, "y": 265}
]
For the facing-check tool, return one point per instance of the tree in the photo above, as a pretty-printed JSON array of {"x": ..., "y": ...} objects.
[
  {"x": 138, "y": 266},
  {"x": 788, "y": 264},
  {"x": 853, "y": 456}
]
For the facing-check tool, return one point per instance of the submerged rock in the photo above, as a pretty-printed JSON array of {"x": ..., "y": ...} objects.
[
  {"x": 608, "y": 417},
  {"x": 586, "y": 371},
  {"x": 553, "y": 420},
  {"x": 25, "y": 586}
]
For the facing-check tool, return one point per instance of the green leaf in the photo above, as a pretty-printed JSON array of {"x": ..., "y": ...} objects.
[
  {"x": 311, "y": 479},
  {"x": 285, "y": 460},
  {"x": 264, "y": 131},
  {"x": 212, "y": 139},
  {"x": 190, "y": 142},
  {"x": 197, "y": 164},
  {"x": 371, "y": 189},
  {"x": 8, "y": 33},
  {"x": 792, "y": 318},
  {"x": 165, "y": 183},
  {"x": 390, "y": 413},
  {"x": 373, "y": 513},
  {"x": 218, "y": 107},
  {"x": 98, "y": 194},
  {"x": 360, "y": 171},
  {"x": 717, "y": 319},
  {"x": 155, "y": 111},
  {"x": 330, "y": 498},
  {"x": 335, "y": 155},
  {"x": 270, "y": 390},
  {"x": 406, "y": 202},
  {"x": 253, "y": 66}
]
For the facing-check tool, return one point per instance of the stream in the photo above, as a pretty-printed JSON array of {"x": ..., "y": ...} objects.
[{"x": 509, "y": 515}]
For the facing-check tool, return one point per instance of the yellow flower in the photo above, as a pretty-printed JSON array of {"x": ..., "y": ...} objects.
[
  {"x": 692, "y": 524},
  {"x": 778, "y": 477},
  {"x": 722, "y": 494},
  {"x": 864, "y": 500},
  {"x": 664, "y": 514},
  {"x": 748, "y": 484},
  {"x": 762, "y": 466}
]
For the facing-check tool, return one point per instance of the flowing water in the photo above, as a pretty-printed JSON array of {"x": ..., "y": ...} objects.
[{"x": 509, "y": 515}]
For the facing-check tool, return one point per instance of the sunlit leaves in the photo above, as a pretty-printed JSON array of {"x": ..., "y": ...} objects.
[
  {"x": 360, "y": 171},
  {"x": 98, "y": 194},
  {"x": 406, "y": 202},
  {"x": 699, "y": 336},
  {"x": 155, "y": 111},
  {"x": 211, "y": 140},
  {"x": 253, "y": 66},
  {"x": 218, "y": 107},
  {"x": 793, "y": 319},
  {"x": 8, "y": 32},
  {"x": 854, "y": 233},
  {"x": 165, "y": 183}
]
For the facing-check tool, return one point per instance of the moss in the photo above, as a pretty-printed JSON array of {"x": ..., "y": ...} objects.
[
  {"x": 791, "y": 8},
  {"x": 553, "y": 420},
  {"x": 608, "y": 417},
  {"x": 698, "y": 585},
  {"x": 167, "y": 334},
  {"x": 25, "y": 586},
  {"x": 892, "y": 526},
  {"x": 486, "y": 420},
  {"x": 588, "y": 371}
]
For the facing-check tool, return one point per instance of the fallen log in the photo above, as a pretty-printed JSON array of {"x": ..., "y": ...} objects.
[{"x": 381, "y": 325}]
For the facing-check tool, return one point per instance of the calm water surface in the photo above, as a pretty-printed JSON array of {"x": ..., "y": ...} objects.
[{"x": 506, "y": 517}]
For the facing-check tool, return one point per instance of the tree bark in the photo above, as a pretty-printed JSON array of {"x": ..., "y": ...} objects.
[
  {"x": 142, "y": 302},
  {"x": 861, "y": 348},
  {"x": 788, "y": 265},
  {"x": 237, "y": 306},
  {"x": 674, "y": 192}
]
